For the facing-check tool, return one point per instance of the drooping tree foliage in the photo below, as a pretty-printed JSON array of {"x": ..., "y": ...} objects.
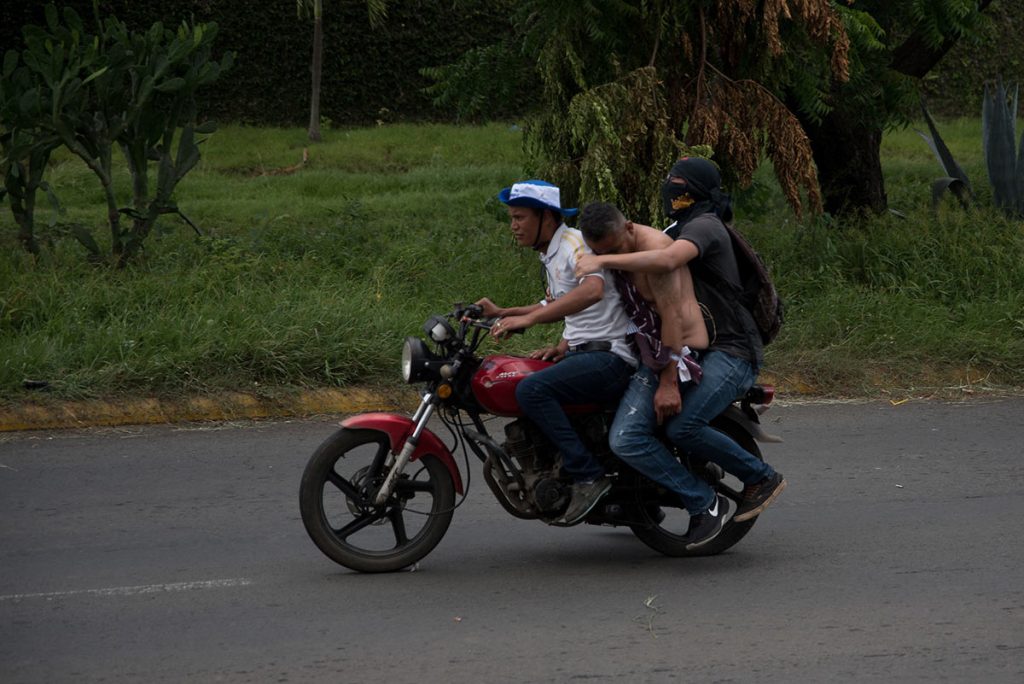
[
  {"x": 625, "y": 85},
  {"x": 666, "y": 76}
]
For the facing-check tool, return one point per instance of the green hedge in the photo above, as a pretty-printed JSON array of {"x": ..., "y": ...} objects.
[
  {"x": 372, "y": 75},
  {"x": 955, "y": 87},
  {"x": 368, "y": 74}
]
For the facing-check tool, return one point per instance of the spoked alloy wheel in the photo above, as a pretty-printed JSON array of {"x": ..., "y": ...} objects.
[
  {"x": 667, "y": 534},
  {"x": 336, "y": 502}
]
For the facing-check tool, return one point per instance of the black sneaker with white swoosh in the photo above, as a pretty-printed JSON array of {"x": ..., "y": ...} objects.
[{"x": 705, "y": 526}]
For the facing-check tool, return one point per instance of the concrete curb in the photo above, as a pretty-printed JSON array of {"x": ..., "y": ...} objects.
[{"x": 45, "y": 415}]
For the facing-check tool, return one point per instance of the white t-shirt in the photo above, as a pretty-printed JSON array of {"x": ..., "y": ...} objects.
[{"x": 604, "y": 321}]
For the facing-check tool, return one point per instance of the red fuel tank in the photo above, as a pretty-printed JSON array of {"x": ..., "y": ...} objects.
[{"x": 494, "y": 383}]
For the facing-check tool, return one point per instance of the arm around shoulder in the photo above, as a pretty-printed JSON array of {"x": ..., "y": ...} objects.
[{"x": 664, "y": 260}]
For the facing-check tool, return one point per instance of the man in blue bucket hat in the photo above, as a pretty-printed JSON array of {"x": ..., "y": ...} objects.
[{"x": 594, "y": 360}]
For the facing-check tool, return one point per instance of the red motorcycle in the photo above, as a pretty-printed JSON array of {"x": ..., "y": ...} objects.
[{"x": 378, "y": 495}]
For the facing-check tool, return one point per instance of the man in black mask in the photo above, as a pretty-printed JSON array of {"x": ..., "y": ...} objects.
[{"x": 693, "y": 197}]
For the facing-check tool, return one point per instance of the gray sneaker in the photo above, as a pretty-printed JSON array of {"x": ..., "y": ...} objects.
[{"x": 585, "y": 496}]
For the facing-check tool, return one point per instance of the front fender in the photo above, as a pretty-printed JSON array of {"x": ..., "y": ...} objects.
[{"x": 398, "y": 429}]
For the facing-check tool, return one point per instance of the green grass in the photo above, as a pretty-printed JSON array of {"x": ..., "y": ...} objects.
[
  {"x": 910, "y": 299},
  {"x": 312, "y": 278}
]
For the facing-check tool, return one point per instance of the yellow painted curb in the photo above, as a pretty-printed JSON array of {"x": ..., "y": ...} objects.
[
  {"x": 42, "y": 414},
  {"x": 233, "y": 406},
  {"x": 49, "y": 415}
]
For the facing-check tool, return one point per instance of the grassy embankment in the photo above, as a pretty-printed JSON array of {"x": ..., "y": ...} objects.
[{"x": 312, "y": 278}]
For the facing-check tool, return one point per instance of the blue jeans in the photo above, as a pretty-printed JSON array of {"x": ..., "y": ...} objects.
[
  {"x": 633, "y": 433},
  {"x": 592, "y": 377}
]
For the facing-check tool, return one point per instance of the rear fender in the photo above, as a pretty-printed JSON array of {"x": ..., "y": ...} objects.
[
  {"x": 752, "y": 426},
  {"x": 398, "y": 429}
]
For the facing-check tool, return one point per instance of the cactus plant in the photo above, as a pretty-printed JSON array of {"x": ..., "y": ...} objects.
[
  {"x": 24, "y": 148},
  {"x": 1003, "y": 158},
  {"x": 129, "y": 89},
  {"x": 955, "y": 180}
]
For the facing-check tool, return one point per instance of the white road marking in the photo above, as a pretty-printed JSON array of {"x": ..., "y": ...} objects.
[{"x": 135, "y": 591}]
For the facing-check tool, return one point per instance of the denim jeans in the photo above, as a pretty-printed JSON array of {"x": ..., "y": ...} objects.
[
  {"x": 633, "y": 433},
  {"x": 592, "y": 377}
]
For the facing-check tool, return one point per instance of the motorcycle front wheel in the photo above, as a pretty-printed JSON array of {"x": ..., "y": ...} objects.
[
  {"x": 336, "y": 502},
  {"x": 665, "y": 527}
]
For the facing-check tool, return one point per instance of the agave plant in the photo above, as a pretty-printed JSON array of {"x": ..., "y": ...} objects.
[
  {"x": 955, "y": 180},
  {"x": 1004, "y": 159}
]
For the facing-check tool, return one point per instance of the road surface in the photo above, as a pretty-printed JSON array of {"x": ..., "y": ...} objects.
[{"x": 173, "y": 554}]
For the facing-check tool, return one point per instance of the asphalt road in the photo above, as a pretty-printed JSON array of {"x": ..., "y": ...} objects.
[{"x": 176, "y": 554}]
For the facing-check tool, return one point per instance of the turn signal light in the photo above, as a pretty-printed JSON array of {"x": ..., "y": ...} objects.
[{"x": 444, "y": 390}]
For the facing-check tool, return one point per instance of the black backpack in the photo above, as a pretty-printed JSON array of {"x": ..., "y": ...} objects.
[{"x": 758, "y": 293}]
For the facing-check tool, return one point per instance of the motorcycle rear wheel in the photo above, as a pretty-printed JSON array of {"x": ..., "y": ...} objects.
[
  {"x": 336, "y": 503},
  {"x": 665, "y": 533}
]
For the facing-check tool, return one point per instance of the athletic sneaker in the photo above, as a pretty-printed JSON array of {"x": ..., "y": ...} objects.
[
  {"x": 758, "y": 496},
  {"x": 585, "y": 496},
  {"x": 705, "y": 526}
]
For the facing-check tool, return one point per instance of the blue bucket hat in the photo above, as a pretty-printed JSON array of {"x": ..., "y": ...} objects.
[{"x": 536, "y": 194}]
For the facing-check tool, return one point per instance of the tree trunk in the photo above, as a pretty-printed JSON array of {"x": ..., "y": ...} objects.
[
  {"x": 848, "y": 157},
  {"x": 317, "y": 68},
  {"x": 24, "y": 215}
]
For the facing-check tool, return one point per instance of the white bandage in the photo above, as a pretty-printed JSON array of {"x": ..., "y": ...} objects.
[{"x": 684, "y": 372}]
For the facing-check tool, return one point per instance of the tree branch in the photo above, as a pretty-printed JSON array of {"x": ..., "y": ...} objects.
[{"x": 914, "y": 57}]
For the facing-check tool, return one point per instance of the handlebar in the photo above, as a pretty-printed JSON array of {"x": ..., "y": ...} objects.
[
  {"x": 471, "y": 311},
  {"x": 473, "y": 315}
]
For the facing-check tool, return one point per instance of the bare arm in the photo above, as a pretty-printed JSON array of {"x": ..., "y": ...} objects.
[
  {"x": 587, "y": 293},
  {"x": 668, "y": 294},
  {"x": 677, "y": 254},
  {"x": 491, "y": 309}
]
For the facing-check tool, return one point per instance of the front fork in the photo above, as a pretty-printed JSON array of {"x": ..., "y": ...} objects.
[{"x": 422, "y": 415}]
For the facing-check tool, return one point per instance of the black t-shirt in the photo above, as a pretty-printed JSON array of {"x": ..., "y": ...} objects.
[{"x": 731, "y": 327}]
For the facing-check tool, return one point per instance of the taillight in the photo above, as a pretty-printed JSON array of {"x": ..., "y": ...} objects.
[{"x": 761, "y": 394}]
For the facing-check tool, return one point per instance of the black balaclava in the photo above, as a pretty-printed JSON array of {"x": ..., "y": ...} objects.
[{"x": 700, "y": 193}]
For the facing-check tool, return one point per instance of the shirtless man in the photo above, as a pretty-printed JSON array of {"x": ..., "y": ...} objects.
[{"x": 668, "y": 322}]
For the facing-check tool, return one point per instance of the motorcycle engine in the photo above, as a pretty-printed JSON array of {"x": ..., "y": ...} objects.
[
  {"x": 539, "y": 463},
  {"x": 528, "y": 445},
  {"x": 551, "y": 496}
]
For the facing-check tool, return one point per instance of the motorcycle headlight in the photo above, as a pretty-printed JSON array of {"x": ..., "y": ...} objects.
[{"x": 418, "y": 362}]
